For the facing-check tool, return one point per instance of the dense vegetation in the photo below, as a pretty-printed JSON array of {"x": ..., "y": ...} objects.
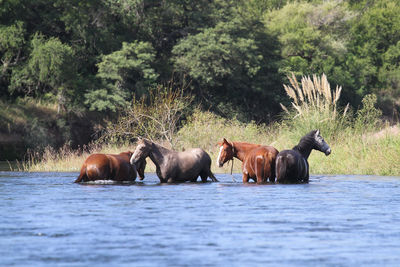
[
  {"x": 360, "y": 141},
  {"x": 102, "y": 58}
]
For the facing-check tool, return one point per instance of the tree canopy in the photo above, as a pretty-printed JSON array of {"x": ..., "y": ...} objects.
[{"x": 102, "y": 54}]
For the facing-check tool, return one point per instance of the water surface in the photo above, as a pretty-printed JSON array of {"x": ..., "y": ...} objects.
[{"x": 46, "y": 220}]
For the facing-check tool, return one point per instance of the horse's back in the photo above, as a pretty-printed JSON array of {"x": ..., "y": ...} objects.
[
  {"x": 97, "y": 167},
  {"x": 188, "y": 165},
  {"x": 261, "y": 161},
  {"x": 291, "y": 167},
  {"x": 121, "y": 167},
  {"x": 108, "y": 166},
  {"x": 194, "y": 156}
]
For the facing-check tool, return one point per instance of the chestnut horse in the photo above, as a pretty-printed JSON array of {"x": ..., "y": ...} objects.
[
  {"x": 258, "y": 161},
  {"x": 110, "y": 167},
  {"x": 173, "y": 166},
  {"x": 292, "y": 165}
]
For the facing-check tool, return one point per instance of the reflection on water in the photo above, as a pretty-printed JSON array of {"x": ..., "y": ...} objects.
[{"x": 334, "y": 220}]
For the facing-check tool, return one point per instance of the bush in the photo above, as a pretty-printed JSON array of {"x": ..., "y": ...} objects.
[
  {"x": 368, "y": 117},
  {"x": 155, "y": 117}
]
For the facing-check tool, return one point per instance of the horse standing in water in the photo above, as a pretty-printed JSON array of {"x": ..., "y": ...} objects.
[
  {"x": 110, "y": 167},
  {"x": 173, "y": 166},
  {"x": 258, "y": 161},
  {"x": 292, "y": 165}
]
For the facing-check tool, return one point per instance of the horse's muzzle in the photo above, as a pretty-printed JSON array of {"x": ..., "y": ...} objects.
[{"x": 328, "y": 151}]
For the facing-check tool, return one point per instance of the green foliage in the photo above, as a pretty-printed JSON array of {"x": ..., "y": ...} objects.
[
  {"x": 102, "y": 100},
  {"x": 50, "y": 69},
  {"x": 11, "y": 45},
  {"x": 123, "y": 73},
  {"x": 218, "y": 54},
  {"x": 368, "y": 117},
  {"x": 374, "y": 48},
  {"x": 51, "y": 62},
  {"x": 233, "y": 58},
  {"x": 314, "y": 39},
  {"x": 156, "y": 117},
  {"x": 101, "y": 54}
]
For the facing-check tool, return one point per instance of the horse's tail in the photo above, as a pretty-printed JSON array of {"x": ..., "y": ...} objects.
[
  {"x": 212, "y": 176},
  {"x": 272, "y": 164},
  {"x": 82, "y": 176},
  {"x": 208, "y": 169},
  {"x": 280, "y": 168},
  {"x": 259, "y": 169}
]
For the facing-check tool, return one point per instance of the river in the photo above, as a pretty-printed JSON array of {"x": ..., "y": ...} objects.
[{"x": 47, "y": 220}]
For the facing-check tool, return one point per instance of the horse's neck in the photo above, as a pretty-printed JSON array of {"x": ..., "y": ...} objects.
[
  {"x": 304, "y": 147},
  {"x": 241, "y": 149},
  {"x": 158, "y": 153}
]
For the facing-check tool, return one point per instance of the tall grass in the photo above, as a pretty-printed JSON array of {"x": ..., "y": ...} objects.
[
  {"x": 315, "y": 106},
  {"x": 356, "y": 146}
]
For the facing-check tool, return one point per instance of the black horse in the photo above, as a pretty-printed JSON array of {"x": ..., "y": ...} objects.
[{"x": 292, "y": 165}]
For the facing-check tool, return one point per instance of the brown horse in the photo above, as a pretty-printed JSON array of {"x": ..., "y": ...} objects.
[
  {"x": 258, "y": 161},
  {"x": 110, "y": 167},
  {"x": 173, "y": 166}
]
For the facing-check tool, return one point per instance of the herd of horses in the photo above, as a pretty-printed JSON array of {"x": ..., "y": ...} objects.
[{"x": 259, "y": 162}]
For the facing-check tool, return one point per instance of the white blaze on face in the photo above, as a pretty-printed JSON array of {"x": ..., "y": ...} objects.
[
  {"x": 132, "y": 160},
  {"x": 135, "y": 154},
  {"x": 219, "y": 156}
]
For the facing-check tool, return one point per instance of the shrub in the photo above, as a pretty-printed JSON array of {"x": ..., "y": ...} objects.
[{"x": 155, "y": 117}]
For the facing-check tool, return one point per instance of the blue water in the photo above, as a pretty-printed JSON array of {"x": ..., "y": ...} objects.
[{"x": 46, "y": 220}]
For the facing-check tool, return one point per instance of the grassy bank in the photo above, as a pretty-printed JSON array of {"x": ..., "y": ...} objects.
[
  {"x": 29, "y": 124},
  {"x": 361, "y": 143},
  {"x": 376, "y": 152}
]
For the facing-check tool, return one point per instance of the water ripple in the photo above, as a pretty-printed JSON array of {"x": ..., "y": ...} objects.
[{"x": 339, "y": 220}]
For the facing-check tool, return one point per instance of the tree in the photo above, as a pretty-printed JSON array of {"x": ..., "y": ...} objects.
[
  {"x": 314, "y": 39},
  {"x": 229, "y": 59},
  {"x": 375, "y": 49},
  {"x": 123, "y": 73},
  {"x": 11, "y": 49},
  {"x": 50, "y": 69}
]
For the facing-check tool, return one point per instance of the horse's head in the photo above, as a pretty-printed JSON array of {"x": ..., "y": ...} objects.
[
  {"x": 142, "y": 151},
  {"x": 226, "y": 152},
  {"x": 320, "y": 144},
  {"x": 140, "y": 166}
]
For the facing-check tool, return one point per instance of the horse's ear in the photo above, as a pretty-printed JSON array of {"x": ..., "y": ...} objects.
[
  {"x": 317, "y": 132},
  {"x": 224, "y": 141}
]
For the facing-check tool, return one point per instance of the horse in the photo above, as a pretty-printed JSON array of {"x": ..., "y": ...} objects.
[
  {"x": 292, "y": 165},
  {"x": 110, "y": 167},
  {"x": 258, "y": 161},
  {"x": 173, "y": 166}
]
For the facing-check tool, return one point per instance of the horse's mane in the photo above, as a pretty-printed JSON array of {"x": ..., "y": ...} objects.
[{"x": 306, "y": 143}]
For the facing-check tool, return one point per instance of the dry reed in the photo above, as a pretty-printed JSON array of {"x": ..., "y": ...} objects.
[{"x": 312, "y": 95}]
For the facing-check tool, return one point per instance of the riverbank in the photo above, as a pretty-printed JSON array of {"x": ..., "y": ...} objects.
[
  {"x": 29, "y": 124},
  {"x": 361, "y": 142},
  {"x": 371, "y": 153}
]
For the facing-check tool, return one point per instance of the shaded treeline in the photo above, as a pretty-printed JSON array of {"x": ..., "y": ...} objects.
[{"x": 100, "y": 55}]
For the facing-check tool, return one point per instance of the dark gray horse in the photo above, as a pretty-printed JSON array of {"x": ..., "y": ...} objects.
[
  {"x": 173, "y": 166},
  {"x": 292, "y": 165}
]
